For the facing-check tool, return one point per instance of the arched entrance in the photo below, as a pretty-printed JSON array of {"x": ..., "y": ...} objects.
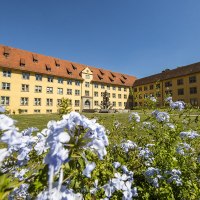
[{"x": 87, "y": 104}]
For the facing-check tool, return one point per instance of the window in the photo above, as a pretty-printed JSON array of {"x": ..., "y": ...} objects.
[
  {"x": 60, "y": 80},
  {"x": 113, "y": 95},
  {"x": 57, "y": 63},
  {"x": 50, "y": 79},
  {"x": 108, "y": 87},
  {"x": 35, "y": 58},
  {"x": 58, "y": 101},
  {"x": 102, "y": 86},
  {"x": 168, "y": 92},
  {"x": 49, "y": 102},
  {"x": 96, "y": 94},
  {"x": 114, "y": 88},
  {"x": 38, "y": 88},
  {"x": 192, "y": 79},
  {"x": 24, "y": 101},
  {"x": 102, "y": 94},
  {"x": 95, "y": 85},
  {"x": 5, "y": 86},
  {"x": 87, "y": 76},
  {"x": 6, "y": 73},
  {"x": 181, "y": 91},
  {"x": 119, "y": 88},
  {"x": 77, "y": 103},
  {"x": 158, "y": 86},
  {"x": 180, "y": 82},
  {"x": 77, "y": 83},
  {"x": 96, "y": 103},
  {"x": 25, "y": 75},
  {"x": 114, "y": 103},
  {"x": 193, "y": 90},
  {"x": 48, "y": 111},
  {"x": 125, "y": 89},
  {"x": 22, "y": 111},
  {"x": 77, "y": 92},
  {"x": 168, "y": 84},
  {"x": 25, "y": 88},
  {"x": 48, "y": 67},
  {"x": 140, "y": 89},
  {"x": 194, "y": 102},
  {"x": 69, "y": 82},
  {"x": 37, "y": 101},
  {"x": 158, "y": 94},
  {"x": 5, "y": 100},
  {"x": 36, "y": 111},
  {"x": 87, "y": 93},
  {"x": 119, "y": 104},
  {"x": 151, "y": 87},
  {"x": 59, "y": 90},
  {"x": 69, "y": 91},
  {"x": 135, "y": 89},
  {"x": 87, "y": 84},
  {"x": 145, "y": 88},
  {"x": 119, "y": 96},
  {"x": 49, "y": 90},
  {"x": 38, "y": 77},
  {"x": 125, "y": 96}
]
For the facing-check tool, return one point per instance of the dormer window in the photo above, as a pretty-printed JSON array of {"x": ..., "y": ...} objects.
[
  {"x": 124, "y": 77},
  {"x": 69, "y": 71},
  {"x": 100, "y": 78},
  {"x": 111, "y": 79},
  {"x": 122, "y": 81},
  {"x": 35, "y": 58},
  {"x": 6, "y": 52},
  {"x": 57, "y": 63},
  {"x": 22, "y": 62},
  {"x": 101, "y": 71},
  {"x": 112, "y": 75},
  {"x": 48, "y": 68},
  {"x": 74, "y": 67}
]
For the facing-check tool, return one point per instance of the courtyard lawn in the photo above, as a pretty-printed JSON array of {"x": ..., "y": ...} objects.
[{"x": 40, "y": 120}]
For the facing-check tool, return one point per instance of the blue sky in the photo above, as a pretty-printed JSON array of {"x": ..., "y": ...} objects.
[{"x": 137, "y": 37}]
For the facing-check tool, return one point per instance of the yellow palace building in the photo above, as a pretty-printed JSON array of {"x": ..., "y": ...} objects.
[
  {"x": 34, "y": 83},
  {"x": 182, "y": 83}
]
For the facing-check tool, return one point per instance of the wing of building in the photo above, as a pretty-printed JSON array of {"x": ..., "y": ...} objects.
[
  {"x": 182, "y": 83},
  {"x": 35, "y": 83}
]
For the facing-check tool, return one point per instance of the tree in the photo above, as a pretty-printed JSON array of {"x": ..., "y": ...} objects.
[{"x": 64, "y": 106}]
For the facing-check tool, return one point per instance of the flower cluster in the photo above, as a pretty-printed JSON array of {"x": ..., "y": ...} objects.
[
  {"x": 189, "y": 134},
  {"x": 134, "y": 116},
  {"x": 174, "y": 176},
  {"x": 161, "y": 116},
  {"x": 153, "y": 175},
  {"x": 180, "y": 105},
  {"x": 127, "y": 145},
  {"x": 121, "y": 182}
]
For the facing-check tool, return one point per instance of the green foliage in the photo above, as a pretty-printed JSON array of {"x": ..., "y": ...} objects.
[
  {"x": 165, "y": 142},
  {"x": 64, "y": 107}
]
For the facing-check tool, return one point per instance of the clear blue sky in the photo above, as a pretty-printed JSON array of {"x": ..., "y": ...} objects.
[{"x": 137, "y": 37}]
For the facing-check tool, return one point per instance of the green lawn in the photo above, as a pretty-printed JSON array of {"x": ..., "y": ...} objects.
[{"x": 40, "y": 120}]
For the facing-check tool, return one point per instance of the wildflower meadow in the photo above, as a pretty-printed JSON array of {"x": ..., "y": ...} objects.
[{"x": 150, "y": 155}]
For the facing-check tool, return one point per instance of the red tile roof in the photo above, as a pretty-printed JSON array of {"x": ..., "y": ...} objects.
[
  {"x": 33, "y": 62},
  {"x": 169, "y": 74}
]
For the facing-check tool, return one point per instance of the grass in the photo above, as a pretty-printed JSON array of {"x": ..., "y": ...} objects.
[{"x": 40, "y": 120}]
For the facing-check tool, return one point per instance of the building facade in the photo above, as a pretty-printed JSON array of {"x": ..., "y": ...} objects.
[
  {"x": 182, "y": 83},
  {"x": 34, "y": 83}
]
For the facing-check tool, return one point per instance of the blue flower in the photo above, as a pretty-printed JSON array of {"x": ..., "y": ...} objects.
[{"x": 88, "y": 169}]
